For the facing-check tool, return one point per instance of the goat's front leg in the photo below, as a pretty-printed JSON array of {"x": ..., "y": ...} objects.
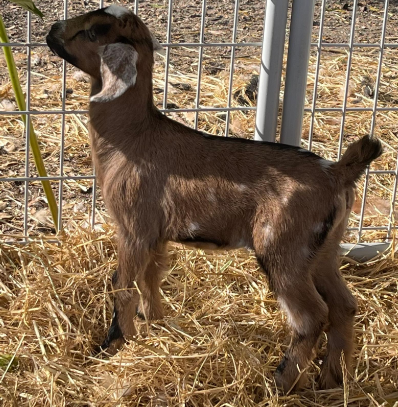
[
  {"x": 150, "y": 306},
  {"x": 115, "y": 335},
  {"x": 133, "y": 261}
]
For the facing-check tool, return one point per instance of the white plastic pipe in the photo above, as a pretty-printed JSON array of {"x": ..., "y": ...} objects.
[
  {"x": 297, "y": 70},
  {"x": 363, "y": 252},
  {"x": 271, "y": 69}
]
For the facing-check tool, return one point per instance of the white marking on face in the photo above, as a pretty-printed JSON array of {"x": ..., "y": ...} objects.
[
  {"x": 285, "y": 200},
  {"x": 116, "y": 11}
]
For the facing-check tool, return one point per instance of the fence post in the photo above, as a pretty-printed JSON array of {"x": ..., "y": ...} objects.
[
  {"x": 297, "y": 70},
  {"x": 271, "y": 69}
]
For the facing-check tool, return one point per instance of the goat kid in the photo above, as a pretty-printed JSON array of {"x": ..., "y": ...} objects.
[{"x": 162, "y": 181}]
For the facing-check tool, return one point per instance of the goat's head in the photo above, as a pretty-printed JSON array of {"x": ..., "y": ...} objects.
[{"x": 111, "y": 44}]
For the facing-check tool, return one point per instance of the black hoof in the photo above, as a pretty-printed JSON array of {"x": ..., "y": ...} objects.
[
  {"x": 140, "y": 314},
  {"x": 114, "y": 333}
]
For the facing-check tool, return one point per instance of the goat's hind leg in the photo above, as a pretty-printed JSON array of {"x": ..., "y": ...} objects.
[
  {"x": 307, "y": 316},
  {"x": 342, "y": 308}
]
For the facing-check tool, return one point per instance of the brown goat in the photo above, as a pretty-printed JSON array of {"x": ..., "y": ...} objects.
[{"x": 163, "y": 181}]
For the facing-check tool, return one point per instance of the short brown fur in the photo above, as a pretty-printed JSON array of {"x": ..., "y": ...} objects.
[{"x": 163, "y": 182}]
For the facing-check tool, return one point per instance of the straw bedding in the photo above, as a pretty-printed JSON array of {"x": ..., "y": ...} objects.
[
  {"x": 223, "y": 333},
  {"x": 218, "y": 345}
]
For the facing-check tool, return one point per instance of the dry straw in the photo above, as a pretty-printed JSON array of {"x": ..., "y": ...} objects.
[{"x": 218, "y": 345}]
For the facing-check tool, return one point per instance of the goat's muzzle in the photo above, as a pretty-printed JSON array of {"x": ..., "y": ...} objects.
[{"x": 55, "y": 42}]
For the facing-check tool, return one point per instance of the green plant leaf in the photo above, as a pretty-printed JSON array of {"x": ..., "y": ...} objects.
[
  {"x": 20, "y": 99},
  {"x": 28, "y": 5}
]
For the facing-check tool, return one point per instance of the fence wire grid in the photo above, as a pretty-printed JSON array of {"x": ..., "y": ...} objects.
[{"x": 208, "y": 79}]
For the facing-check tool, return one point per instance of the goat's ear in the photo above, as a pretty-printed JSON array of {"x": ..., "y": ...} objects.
[
  {"x": 118, "y": 71},
  {"x": 156, "y": 46}
]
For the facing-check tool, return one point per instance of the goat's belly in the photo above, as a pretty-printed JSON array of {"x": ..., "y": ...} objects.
[
  {"x": 201, "y": 245},
  {"x": 207, "y": 244}
]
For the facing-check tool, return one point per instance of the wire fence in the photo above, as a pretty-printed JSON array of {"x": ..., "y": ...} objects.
[
  {"x": 351, "y": 46},
  {"x": 64, "y": 111},
  {"x": 234, "y": 44}
]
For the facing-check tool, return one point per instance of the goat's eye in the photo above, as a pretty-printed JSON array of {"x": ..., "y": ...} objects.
[{"x": 91, "y": 35}]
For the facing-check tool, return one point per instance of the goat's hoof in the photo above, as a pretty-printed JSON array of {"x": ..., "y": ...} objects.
[
  {"x": 140, "y": 315},
  {"x": 287, "y": 377},
  {"x": 331, "y": 373},
  {"x": 329, "y": 380},
  {"x": 112, "y": 347},
  {"x": 115, "y": 346},
  {"x": 108, "y": 348},
  {"x": 287, "y": 384},
  {"x": 115, "y": 339},
  {"x": 150, "y": 313}
]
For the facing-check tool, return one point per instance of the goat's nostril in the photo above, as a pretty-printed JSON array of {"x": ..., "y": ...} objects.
[
  {"x": 53, "y": 42},
  {"x": 57, "y": 46}
]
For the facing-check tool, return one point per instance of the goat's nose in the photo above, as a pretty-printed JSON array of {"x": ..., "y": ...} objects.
[
  {"x": 57, "y": 31},
  {"x": 55, "y": 38}
]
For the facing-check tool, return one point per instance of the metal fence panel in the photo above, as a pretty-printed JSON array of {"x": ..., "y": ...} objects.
[
  {"x": 228, "y": 44},
  {"x": 228, "y": 41}
]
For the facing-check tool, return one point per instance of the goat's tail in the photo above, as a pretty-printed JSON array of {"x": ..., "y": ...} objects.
[{"x": 357, "y": 157}]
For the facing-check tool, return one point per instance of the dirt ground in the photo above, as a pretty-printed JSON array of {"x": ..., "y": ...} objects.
[{"x": 219, "y": 21}]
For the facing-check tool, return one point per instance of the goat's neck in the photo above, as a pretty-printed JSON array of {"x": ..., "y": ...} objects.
[{"x": 131, "y": 112}]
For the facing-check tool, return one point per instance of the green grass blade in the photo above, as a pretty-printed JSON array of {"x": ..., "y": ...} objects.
[
  {"x": 34, "y": 145},
  {"x": 28, "y": 5}
]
